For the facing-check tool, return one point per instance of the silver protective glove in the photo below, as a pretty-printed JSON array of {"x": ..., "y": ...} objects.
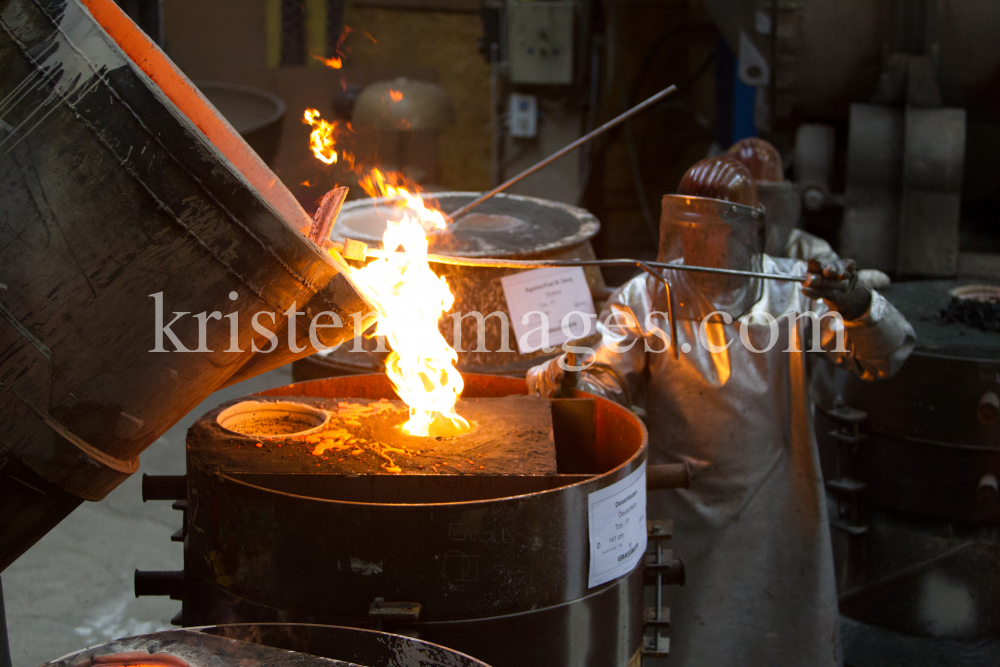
[
  {"x": 837, "y": 282},
  {"x": 545, "y": 379}
]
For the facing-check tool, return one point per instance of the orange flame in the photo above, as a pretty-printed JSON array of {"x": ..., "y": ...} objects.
[
  {"x": 323, "y": 138},
  {"x": 395, "y": 95},
  {"x": 395, "y": 185},
  {"x": 334, "y": 61},
  {"x": 409, "y": 297},
  {"x": 411, "y": 300}
]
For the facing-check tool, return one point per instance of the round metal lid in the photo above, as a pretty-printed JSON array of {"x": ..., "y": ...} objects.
[
  {"x": 504, "y": 226},
  {"x": 921, "y": 301}
]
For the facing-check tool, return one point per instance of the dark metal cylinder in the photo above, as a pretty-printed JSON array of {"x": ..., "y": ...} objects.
[
  {"x": 485, "y": 566},
  {"x": 152, "y": 582}
]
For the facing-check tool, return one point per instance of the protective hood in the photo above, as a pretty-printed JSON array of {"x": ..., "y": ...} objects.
[
  {"x": 782, "y": 208},
  {"x": 717, "y": 234}
]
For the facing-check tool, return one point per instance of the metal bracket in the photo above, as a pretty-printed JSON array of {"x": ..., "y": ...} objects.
[
  {"x": 664, "y": 569},
  {"x": 848, "y": 435},
  {"x": 381, "y": 611}
]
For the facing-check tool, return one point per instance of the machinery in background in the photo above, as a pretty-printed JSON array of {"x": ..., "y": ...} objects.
[
  {"x": 404, "y": 116},
  {"x": 912, "y": 465},
  {"x": 905, "y": 85},
  {"x": 544, "y": 70}
]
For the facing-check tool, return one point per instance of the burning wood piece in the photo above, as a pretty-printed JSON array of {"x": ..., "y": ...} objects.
[
  {"x": 511, "y": 435},
  {"x": 326, "y": 215}
]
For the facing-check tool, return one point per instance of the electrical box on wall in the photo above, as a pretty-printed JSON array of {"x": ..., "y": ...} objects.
[
  {"x": 540, "y": 41},
  {"x": 522, "y": 116}
]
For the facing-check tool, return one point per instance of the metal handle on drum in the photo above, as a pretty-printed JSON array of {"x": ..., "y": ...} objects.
[
  {"x": 169, "y": 582},
  {"x": 669, "y": 476}
]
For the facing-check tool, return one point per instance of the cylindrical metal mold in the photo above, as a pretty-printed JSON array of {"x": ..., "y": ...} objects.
[
  {"x": 484, "y": 567},
  {"x": 927, "y": 446},
  {"x": 277, "y": 644},
  {"x": 507, "y": 226},
  {"x": 925, "y": 544},
  {"x": 125, "y": 197}
]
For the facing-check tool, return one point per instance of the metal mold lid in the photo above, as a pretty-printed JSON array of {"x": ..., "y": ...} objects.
[
  {"x": 921, "y": 301},
  {"x": 984, "y": 293},
  {"x": 262, "y": 419},
  {"x": 504, "y": 226}
]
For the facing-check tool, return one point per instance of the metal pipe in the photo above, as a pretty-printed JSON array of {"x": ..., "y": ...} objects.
[
  {"x": 546, "y": 263},
  {"x": 668, "y": 476},
  {"x": 561, "y": 152}
]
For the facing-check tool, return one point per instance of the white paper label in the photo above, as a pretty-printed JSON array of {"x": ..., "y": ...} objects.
[
  {"x": 617, "y": 528},
  {"x": 555, "y": 292}
]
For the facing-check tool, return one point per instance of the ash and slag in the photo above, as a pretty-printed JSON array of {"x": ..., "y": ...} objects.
[{"x": 984, "y": 315}]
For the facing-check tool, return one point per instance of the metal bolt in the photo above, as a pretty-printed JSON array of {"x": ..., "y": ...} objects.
[
  {"x": 988, "y": 409},
  {"x": 988, "y": 492},
  {"x": 813, "y": 199}
]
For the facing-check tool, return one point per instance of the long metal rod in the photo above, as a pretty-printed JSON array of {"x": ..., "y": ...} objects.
[
  {"x": 547, "y": 263},
  {"x": 561, "y": 152}
]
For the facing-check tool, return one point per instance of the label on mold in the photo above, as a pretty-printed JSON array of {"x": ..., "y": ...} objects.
[
  {"x": 549, "y": 306},
  {"x": 617, "y": 516}
]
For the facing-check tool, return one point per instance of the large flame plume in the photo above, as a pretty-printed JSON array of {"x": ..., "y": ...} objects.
[
  {"x": 409, "y": 297},
  {"x": 411, "y": 300}
]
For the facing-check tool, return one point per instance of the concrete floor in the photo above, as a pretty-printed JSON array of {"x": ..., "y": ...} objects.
[{"x": 74, "y": 587}]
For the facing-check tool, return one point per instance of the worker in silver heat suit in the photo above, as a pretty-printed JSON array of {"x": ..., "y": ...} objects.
[{"x": 752, "y": 529}]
